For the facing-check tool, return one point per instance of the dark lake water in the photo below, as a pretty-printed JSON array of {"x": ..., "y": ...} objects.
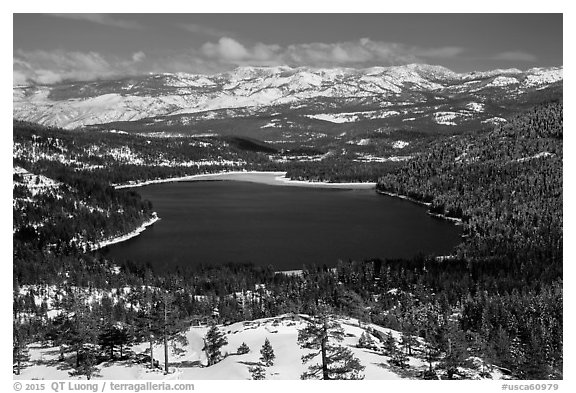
[{"x": 233, "y": 221}]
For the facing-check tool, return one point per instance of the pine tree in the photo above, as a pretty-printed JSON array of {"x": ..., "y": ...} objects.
[
  {"x": 390, "y": 345},
  {"x": 82, "y": 329},
  {"x": 86, "y": 366},
  {"x": 456, "y": 350},
  {"x": 336, "y": 361},
  {"x": 114, "y": 336},
  {"x": 243, "y": 349},
  {"x": 213, "y": 341},
  {"x": 267, "y": 354},
  {"x": 21, "y": 338},
  {"x": 159, "y": 322},
  {"x": 366, "y": 341},
  {"x": 258, "y": 372},
  {"x": 399, "y": 358},
  {"x": 172, "y": 327},
  {"x": 148, "y": 324}
]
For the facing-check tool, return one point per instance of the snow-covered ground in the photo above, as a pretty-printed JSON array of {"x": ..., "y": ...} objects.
[
  {"x": 126, "y": 236},
  {"x": 365, "y": 157},
  {"x": 400, "y": 144},
  {"x": 37, "y": 184},
  {"x": 250, "y": 87},
  {"x": 348, "y": 117},
  {"x": 271, "y": 178},
  {"x": 475, "y": 107},
  {"x": 446, "y": 118},
  {"x": 494, "y": 120},
  {"x": 190, "y": 362},
  {"x": 543, "y": 154}
]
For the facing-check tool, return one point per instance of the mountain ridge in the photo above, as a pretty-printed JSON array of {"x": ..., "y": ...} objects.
[{"x": 77, "y": 104}]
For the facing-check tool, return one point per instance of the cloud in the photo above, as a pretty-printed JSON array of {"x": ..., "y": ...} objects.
[
  {"x": 363, "y": 52},
  {"x": 226, "y": 49},
  {"x": 47, "y": 67},
  {"x": 138, "y": 56},
  {"x": 102, "y": 19},
  {"x": 516, "y": 56},
  {"x": 222, "y": 55},
  {"x": 19, "y": 78}
]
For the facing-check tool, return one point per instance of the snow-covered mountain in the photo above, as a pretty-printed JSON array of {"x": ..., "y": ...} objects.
[{"x": 271, "y": 90}]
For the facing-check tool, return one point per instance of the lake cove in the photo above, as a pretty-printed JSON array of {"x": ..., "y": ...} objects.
[{"x": 248, "y": 221}]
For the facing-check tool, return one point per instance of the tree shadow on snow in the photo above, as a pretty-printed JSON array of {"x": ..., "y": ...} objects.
[{"x": 249, "y": 363}]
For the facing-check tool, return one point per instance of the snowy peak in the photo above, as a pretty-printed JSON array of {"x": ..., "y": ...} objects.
[{"x": 76, "y": 104}]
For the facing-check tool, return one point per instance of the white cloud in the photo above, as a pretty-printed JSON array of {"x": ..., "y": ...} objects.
[
  {"x": 226, "y": 49},
  {"x": 138, "y": 56},
  {"x": 58, "y": 65},
  {"x": 363, "y": 52},
  {"x": 19, "y": 78},
  {"x": 48, "y": 67}
]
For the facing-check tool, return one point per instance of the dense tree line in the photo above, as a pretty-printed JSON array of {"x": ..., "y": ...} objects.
[
  {"x": 116, "y": 158},
  {"x": 498, "y": 298},
  {"x": 506, "y": 186}
]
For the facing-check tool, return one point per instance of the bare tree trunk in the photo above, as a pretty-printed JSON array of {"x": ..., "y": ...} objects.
[
  {"x": 323, "y": 351},
  {"x": 18, "y": 357},
  {"x": 151, "y": 353},
  {"x": 165, "y": 335},
  {"x": 165, "y": 355},
  {"x": 207, "y": 354}
]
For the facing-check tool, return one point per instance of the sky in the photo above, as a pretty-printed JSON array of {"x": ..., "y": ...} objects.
[{"x": 50, "y": 48}]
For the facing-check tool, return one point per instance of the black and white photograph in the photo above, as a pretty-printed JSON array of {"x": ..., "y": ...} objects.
[{"x": 287, "y": 196}]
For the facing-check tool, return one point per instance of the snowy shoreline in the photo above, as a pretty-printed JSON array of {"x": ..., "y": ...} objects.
[
  {"x": 129, "y": 235},
  {"x": 263, "y": 177},
  {"x": 457, "y": 221}
]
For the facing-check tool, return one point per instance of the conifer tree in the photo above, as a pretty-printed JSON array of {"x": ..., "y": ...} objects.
[
  {"x": 86, "y": 365},
  {"x": 456, "y": 350},
  {"x": 147, "y": 322},
  {"x": 172, "y": 327},
  {"x": 399, "y": 358},
  {"x": 336, "y": 361},
  {"x": 366, "y": 341},
  {"x": 267, "y": 354},
  {"x": 213, "y": 341},
  {"x": 114, "y": 336},
  {"x": 82, "y": 329},
  {"x": 258, "y": 372},
  {"x": 243, "y": 349},
  {"x": 21, "y": 338},
  {"x": 390, "y": 344}
]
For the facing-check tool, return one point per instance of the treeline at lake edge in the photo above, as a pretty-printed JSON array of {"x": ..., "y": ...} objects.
[{"x": 498, "y": 298}]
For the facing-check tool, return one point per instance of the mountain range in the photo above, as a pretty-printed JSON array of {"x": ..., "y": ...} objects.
[{"x": 269, "y": 102}]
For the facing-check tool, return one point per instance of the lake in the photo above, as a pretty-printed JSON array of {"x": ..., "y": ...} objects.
[{"x": 236, "y": 221}]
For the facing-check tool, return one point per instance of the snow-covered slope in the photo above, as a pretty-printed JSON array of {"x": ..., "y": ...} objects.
[
  {"x": 72, "y": 105},
  {"x": 189, "y": 364}
]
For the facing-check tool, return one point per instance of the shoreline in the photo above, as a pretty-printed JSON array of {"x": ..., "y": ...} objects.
[
  {"x": 263, "y": 177},
  {"x": 456, "y": 221},
  {"x": 129, "y": 235}
]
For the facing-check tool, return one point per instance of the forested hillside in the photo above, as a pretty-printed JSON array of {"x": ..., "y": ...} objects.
[{"x": 498, "y": 299}]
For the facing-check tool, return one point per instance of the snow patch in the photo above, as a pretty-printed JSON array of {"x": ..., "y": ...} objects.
[
  {"x": 400, "y": 144},
  {"x": 501, "y": 81},
  {"x": 494, "y": 120},
  {"x": 475, "y": 107},
  {"x": 543, "y": 154},
  {"x": 446, "y": 118}
]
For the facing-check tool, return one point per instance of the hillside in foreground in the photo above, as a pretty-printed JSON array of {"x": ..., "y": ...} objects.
[{"x": 189, "y": 362}]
